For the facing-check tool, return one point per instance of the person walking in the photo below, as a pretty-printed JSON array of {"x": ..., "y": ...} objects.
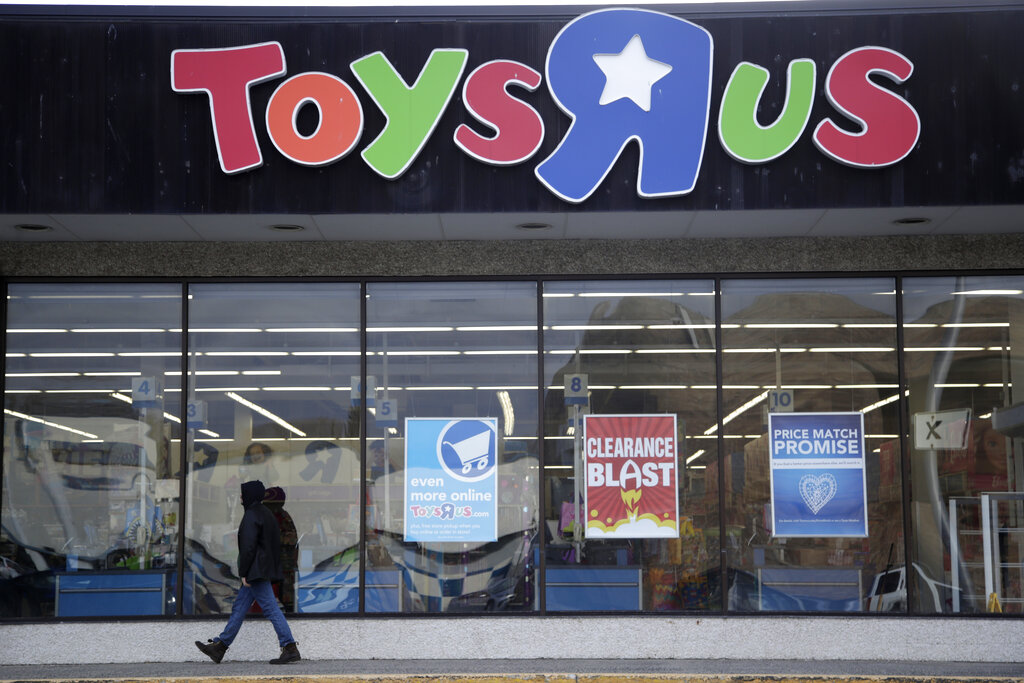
[
  {"x": 259, "y": 563},
  {"x": 274, "y": 501}
]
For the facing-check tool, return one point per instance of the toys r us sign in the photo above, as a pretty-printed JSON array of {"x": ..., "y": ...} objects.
[{"x": 621, "y": 75}]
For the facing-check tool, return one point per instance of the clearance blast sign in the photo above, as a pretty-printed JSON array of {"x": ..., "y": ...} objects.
[{"x": 631, "y": 477}]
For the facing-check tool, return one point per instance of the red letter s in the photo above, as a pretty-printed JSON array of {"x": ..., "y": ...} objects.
[
  {"x": 519, "y": 127},
  {"x": 890, "y": 125}
]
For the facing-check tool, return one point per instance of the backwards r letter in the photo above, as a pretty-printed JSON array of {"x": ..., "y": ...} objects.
[{"x": 623, "y": 75}]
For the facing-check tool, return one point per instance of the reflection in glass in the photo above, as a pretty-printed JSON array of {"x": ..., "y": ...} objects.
[
  {"x": 270, "y": 378},
  {"x": 451, "y": 351},
  {"x": 829, "y": 345},
  {"x": 273, "y": 391},
  {"x": 90, "y": 478},
  {"x": 645, "y": 347},
  {"x": 963, "y": 337}
]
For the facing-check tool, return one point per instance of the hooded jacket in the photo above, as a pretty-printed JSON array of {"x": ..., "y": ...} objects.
[{"x": 259, "y": 539}]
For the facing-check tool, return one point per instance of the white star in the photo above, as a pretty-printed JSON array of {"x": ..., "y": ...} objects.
[{"x": 630, "y": 74}]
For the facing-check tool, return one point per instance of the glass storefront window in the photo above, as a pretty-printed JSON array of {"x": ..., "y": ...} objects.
[
  {"x": 424, "y": 441},
  {"x": 640, "y": 348},
  {"x": 90, "y": 476},
  {"x": 820, "y": 354},
  {"x": 966, "y": 441},
  {"x": 270, "y": 381},
  {"x": 452, "y": 466}
]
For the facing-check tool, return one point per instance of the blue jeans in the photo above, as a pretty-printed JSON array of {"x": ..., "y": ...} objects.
[{"x": 263, "y": 593}]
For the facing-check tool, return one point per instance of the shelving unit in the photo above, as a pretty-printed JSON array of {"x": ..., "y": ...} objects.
[
  {"x": 991, "y": 530},
  {"x": 958, "y": 541},
  {"x": 991, "y": 564}
]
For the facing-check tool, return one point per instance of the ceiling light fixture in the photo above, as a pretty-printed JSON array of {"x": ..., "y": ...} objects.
[
  {"x": 55, "y": 425},
  {"x": 264, "y": 412},
  {"x": 695, "y": 456}
]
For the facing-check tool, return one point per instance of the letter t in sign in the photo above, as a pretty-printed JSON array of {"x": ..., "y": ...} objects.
[{"x": 226, "y": 75}]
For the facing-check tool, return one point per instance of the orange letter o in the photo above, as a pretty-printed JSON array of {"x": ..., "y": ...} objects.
[{"x": 341, "y": 118}]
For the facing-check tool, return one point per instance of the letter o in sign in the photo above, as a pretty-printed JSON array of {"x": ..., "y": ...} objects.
[{"x": 339, "y": 128}]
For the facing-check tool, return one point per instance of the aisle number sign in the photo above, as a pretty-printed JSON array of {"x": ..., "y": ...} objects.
[
  {"x": 780, "y": 401},
  {"x": 631, "y": 474},
  {"x": 195, "y": 412},
  {"x": 357, "y": 390},
  {"x": 576, "y": 390},
  {"x": 818, "y": 485},
  {"x": 386, "y": 414},
  {"x": 146, "y": 392}
]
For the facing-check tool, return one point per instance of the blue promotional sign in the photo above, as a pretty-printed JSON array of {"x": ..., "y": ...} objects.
[
  {"x": 451, "y": 479},
  {"x": 817, "y": 474}
]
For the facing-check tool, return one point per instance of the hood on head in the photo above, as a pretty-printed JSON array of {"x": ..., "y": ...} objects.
[{"x": 252, "y": 492}]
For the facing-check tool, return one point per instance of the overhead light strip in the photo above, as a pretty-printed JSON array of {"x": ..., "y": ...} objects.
[
  {"x": 55, "y": 425},
  {"x": 739, "y": 411},
  {"x": 264, "y": 412}
]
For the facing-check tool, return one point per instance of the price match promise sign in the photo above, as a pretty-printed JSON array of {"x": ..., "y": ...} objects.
[{"x": 817, "y": 471}]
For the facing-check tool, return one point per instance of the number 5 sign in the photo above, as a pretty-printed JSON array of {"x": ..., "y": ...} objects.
[{"x": 387, "y": 413}]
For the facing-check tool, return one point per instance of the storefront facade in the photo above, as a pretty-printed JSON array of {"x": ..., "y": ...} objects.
[{"x": 742, "y": 290}]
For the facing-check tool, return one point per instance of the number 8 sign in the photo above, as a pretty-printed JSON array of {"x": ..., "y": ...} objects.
[{"x": 576, "y": 390}]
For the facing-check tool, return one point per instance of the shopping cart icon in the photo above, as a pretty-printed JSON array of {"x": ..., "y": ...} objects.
[{"x": 472, "y": 451}]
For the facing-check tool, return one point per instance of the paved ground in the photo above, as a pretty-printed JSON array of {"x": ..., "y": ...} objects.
[{"x": 540, "y": 671}]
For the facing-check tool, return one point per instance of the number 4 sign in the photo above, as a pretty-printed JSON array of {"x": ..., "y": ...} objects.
[{"x": 145, "y": 392}]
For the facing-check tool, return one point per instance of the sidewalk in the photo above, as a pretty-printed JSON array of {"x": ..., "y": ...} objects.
[{"x": 538, "y": 671}]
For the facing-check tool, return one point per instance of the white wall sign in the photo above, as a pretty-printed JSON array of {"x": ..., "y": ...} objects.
[{"x": 945, "y": 430}]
